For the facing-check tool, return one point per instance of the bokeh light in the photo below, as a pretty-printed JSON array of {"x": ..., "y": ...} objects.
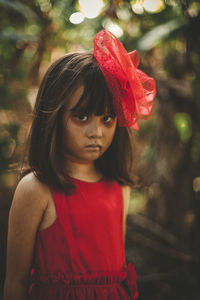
[
  {"x": 123, "y": 14},
  {"x": 76, "y": 18},
  {"x": 91, "y": 8},
  {"x": 153, "y": 6},
  {"x": 138, "y": 8},
  {"x": 183, "y": 124},
  {"x": 113, "y": 27}
]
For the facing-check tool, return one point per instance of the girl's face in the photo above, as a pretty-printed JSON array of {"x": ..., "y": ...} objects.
[{"x": 86, "y": 137}]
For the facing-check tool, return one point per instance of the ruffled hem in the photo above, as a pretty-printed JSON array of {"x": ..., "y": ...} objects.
[{"x": 94, "y": 286}]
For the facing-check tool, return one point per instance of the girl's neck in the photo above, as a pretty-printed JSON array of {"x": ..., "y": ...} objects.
[{"x": 86, "y": 172}]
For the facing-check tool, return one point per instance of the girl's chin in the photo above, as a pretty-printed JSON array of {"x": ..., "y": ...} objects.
[{"x": 87, "y": 159}]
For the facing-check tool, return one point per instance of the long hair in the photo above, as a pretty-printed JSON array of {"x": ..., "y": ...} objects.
[{"x": 45, "y": 158}]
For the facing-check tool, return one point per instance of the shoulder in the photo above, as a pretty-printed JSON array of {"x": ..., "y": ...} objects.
[
  {"x": 31, "y": 192},
  {"x": 27, "y": 210},
  {"x": 31, "y": 186}
]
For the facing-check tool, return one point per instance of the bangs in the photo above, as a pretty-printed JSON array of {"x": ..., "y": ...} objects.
[{"x": 96, "y": 98}]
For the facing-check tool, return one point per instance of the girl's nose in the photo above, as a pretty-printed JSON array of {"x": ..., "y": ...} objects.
[{"x": 94, "y": 128}]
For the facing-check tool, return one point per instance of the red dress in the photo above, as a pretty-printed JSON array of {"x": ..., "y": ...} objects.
[{"x": 81, "y": 255}]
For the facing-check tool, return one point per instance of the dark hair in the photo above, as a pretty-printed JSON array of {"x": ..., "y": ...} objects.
[{"x": 59, "y": 83}]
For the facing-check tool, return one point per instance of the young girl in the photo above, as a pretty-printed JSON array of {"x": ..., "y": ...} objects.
[{"x": 67, "y": 220}]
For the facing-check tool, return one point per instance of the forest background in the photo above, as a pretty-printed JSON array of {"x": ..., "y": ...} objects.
[{"x": 163, "y": 226}]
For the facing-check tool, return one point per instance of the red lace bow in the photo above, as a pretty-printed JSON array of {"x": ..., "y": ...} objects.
[{"x": 133, "y": 91}]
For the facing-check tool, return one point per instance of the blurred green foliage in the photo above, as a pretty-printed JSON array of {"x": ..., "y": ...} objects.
[{"x": 183, "y": 124}]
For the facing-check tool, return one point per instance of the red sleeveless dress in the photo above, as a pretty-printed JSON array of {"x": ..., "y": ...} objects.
[{"x": 81, "y": 255}]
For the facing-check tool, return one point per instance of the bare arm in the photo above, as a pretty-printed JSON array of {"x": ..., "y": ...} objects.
[
  {"x": 28, "y": 206},
  {"x": 126, "y": 197}
]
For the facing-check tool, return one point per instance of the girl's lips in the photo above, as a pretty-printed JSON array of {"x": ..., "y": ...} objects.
[{"x": 93, "y": 147}]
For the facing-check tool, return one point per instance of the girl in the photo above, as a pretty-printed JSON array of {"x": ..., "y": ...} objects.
[{"x": 67, "y": 220}]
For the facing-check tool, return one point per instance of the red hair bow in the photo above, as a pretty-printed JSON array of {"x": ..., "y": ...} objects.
[{"x": 133, "y": 91}]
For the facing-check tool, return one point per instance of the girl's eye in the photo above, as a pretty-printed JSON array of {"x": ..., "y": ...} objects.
[
  {"x": 82, "y": 118},
  {"x": 107, "y": 119}
]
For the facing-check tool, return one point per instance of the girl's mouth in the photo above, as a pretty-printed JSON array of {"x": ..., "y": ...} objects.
[{"x": 93, "y": 147}]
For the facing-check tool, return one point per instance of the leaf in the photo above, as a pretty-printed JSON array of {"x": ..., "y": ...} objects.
[{"x": 159, "y": 33}]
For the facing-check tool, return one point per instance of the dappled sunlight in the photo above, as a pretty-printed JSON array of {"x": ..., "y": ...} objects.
[
  {"x": 76, "y": 18},
  {"x": 113, "y": 27},
  {"x": 91, "y": 8},
  {"x": 153, "y": 6},
  {"x": 150, "y": 6},
  {"x": 183, "y": 124}
]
